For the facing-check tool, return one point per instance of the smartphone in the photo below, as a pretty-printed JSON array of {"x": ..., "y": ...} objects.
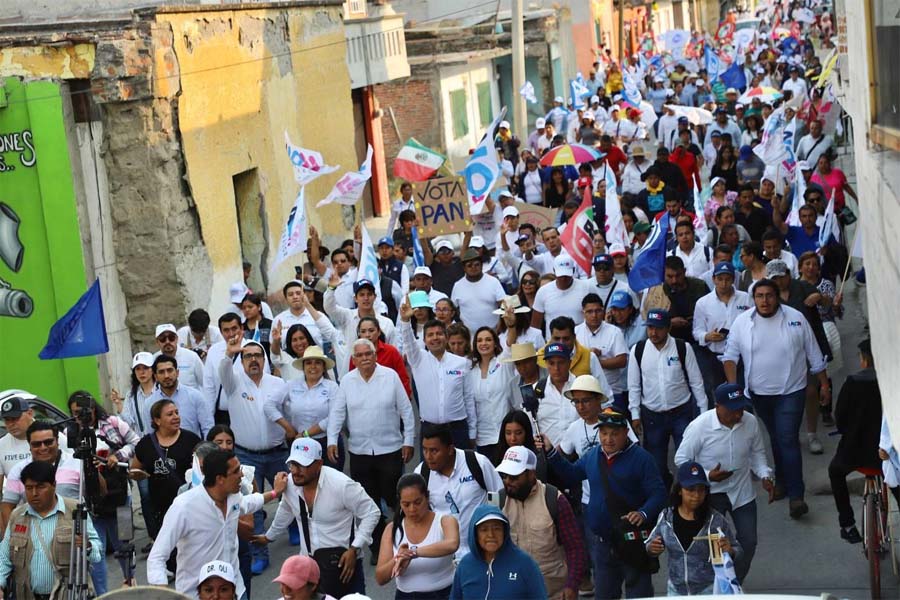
[
  {"x": 493, "y": 498},
  {"x": 724, "y": 332},
  {"x": 298, "y": 273},
  {"x": 529, "y": 397}
]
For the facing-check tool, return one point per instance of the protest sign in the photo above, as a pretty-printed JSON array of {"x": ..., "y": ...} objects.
[
  {"x": 537, "y": 215},
  {"x": 442, "y": 206}
]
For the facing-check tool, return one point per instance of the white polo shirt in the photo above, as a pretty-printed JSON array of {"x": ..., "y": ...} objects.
[
  {"x": 610, "y": 340},
  {"x": 288, "y": 319},
  {"x": 477, "y": 300},
  {"x": 696, "y": 262},
  {"x": 664, "y": 385},
  {"x": 554, "y": 302},
  {"x": 555, "y": 411},
  {"x": 711, "y": 314}
]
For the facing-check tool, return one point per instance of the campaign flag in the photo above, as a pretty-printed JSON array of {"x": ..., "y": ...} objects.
[
  {"x": 787, "y": 137},
  {"x": 799, "y": 190},
  {"x": 293, "y": 238},
  {"x": 615, "y": 226},
  {"x": 308, "y": 164},
  {"x": 734, "y": 77},
  {"x": 578, "y": 237},
  {"x": 350, "y": 186},
  {"x": 771, "y": 145},
  {"x": 857, "y": 250},
  {"x": 527, "y": 92},
  {"x": 416, "y": 162},
  {"x": 630, "y": 90},
  {"x": 368, "y": 262},
  {"x": 725, "y": 581},
  {"x": 713, "y": 64},
  {"x": 81, "y": 331},
  {"x": 578, "y": 90},
  {"x": 675, "y": 41},
  {"x": 649, "y": 266},
  {"x": 642, "y": 63},
  {"x": 482, "y": 171},
  {"x": 418, "y": 253},
  {"x": 655, "y": 62},
  {"x": 830, "y": 227},
  {"x": 700, "y": 228}
]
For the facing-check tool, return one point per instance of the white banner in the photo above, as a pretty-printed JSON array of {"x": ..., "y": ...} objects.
[
  {"x": 615, "y": 226},
  {"x": 348, "y": 189},
  {"x": 308, "y": 164},
  {"x": 482, "y": 170},
  {"x": 293, "y": 238}
]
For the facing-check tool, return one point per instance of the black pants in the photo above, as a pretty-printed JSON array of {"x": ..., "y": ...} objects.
[
  {"x": 378, "y": 474},
  {"x": 712, "y": 370},
  {"x": 838, "y": 470}
]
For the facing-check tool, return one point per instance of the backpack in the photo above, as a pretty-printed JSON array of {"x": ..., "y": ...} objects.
[
  {"x": 471, "y": 462},
  {"x": 551, "y": 497},
  {"x": 680, "y": 348}
]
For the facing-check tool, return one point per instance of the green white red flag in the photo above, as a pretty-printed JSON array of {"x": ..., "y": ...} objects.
[{"x": 416, "y": 162}]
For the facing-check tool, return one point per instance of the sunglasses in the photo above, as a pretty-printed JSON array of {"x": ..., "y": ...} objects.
[
  {"x": 45, "y": 443},
  {"x": 168, "y": 338},
  {"x": 529, "y": 282}
]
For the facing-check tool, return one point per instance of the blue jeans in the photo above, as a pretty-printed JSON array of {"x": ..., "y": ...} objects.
[
  {"x": 659, "y": 427},
  {"x": 712, "y": 370},
  {"x": 610, "y": 573},
  {"x": 782, "y": 416},
  {"x": 107, "y": 531},
  {"x": 744, "y": 519},
  {"x": 267, "y": 466},
  {"x": 151, "y": 519}
]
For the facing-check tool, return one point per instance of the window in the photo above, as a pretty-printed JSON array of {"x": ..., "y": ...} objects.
[
  {"x": 885, "y": 48},
  {"x": 459, "y": 113},
  {"x": 253, "y": 231},
  {"x": 485, "y": 108}
]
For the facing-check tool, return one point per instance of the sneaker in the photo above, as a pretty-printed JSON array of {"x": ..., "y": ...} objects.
[
  {"x": 851, "y": 534},
  {"x": 586, "y": 593},
  {"x": 815, "y": 446},
  {"x": 259, "y": 565},
  {"x": 798, "y": 508}
]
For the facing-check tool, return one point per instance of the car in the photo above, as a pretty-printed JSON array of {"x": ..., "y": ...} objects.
[{"x": 43, "y": 410}]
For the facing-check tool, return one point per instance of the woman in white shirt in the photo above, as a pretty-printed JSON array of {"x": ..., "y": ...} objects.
[
  {"x": 492, "y": 382},
  {"x": 135, "y": 407},
  {"x": 417, "y": 548},
  {"x": 531, "y": 188}
]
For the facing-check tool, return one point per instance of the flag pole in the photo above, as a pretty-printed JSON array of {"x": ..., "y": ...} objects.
[{"x": 849, "y": 260}]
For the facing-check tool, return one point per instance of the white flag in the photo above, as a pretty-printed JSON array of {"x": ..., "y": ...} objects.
[
  {"x": 615, "y": 226},
  {"x": 527, "y": 92},
  {"x": 798, "y": 201},
  {"x": 368, "y": 262},
  {"x": 857, "y": 251},
  {"x": 293, "y": 238},
  {"x": 482, "y": 170},
  {"x": 308, "y": 164},
  {"x": 700, "y": 228},
  {"x": 830, "y": 226},
  {"x": 350, "y": 186}
]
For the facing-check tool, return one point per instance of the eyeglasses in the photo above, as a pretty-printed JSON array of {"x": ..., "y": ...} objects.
[
  {"x": 252, "y": 356},
  {"x": 529, "y": 282},
  {"x": 45, "y": 443},
  {"x": 448, "y": 498}
]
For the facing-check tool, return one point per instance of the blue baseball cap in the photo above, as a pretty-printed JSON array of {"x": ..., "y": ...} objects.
[
  {"x": 602, "y": 259},
  {"x": 731, "y": 396},
  {"x": 620, "y": 299},
  {"x": 386, "y": 241},
  {"x": 724, "y": 267},
  {"x": 691, "y": 474},
  {"x": 363, "y": 283},
  {"x": 555, "y": 349},
  {"x": 658, "y": 318}
]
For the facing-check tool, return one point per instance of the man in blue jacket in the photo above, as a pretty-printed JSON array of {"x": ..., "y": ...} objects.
[
  {"x": 633, "y": 479},
  {"x": 495, "y": 568}
]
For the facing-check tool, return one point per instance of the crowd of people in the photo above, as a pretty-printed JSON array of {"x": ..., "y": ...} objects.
[{"x": 543, "y": 397}]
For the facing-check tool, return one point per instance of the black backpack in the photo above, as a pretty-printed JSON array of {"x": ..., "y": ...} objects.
[
  {"x": 680, "y": 348},
  {"x": 471, "y": 462}
]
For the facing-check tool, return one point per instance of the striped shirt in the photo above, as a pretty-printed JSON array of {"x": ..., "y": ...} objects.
[
  {"x": 68, "y": 474},
  {"x": 40, "y": 568}
]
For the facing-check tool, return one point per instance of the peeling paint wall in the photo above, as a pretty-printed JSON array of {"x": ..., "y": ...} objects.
[{"x": 65, "y": 62}]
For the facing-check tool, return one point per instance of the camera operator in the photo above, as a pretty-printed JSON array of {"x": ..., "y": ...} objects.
[
  {"x": 17, "y": 415},
  {"x": 120, "y": 441}
]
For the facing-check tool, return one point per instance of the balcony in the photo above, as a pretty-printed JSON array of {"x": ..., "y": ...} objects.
[{"x": 376, "y": 48}]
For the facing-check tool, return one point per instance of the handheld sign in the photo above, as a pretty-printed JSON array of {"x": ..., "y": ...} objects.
[{"x": 442, "y": 206}]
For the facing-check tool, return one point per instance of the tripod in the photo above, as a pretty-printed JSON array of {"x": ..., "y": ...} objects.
[{"x": 77, "y": 587}]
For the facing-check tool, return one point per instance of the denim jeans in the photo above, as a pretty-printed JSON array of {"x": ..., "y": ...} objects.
[
  {"x": 782, "y": 416},
  {"x": 610, "y": 573},
  {"x": 151, "y": 519},
  {"x": 659, "y": 427},
  {"x": 267, "y": 466},
  {"x": 107, "y": 531},
  {"x": 712, "y": 370},
  {"x": 620, "y": 402},
  {"x": 744, "y": 519}
]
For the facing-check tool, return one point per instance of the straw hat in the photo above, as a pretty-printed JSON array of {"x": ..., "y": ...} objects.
[
  {"x": 313, "y": 353},
  {"x": 513, "y": 302},
  {"x": 519, "y": 352}
]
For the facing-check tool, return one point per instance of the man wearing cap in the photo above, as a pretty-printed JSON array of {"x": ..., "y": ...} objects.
[
  {"x": 605, "y": 284},
  {"x": 216, "y": 580},
  {"x": 525, "y": 359},
  {"x": 713, "y": 315},
  {"x": 507, "y": 142},
  {"x": 202, "y": 524},
  {"x": 346, "y": 320},
  {"x": 796, "y": 86},
  {"x": 446, "y": 267},
  {"x": 688, "y": 158},
  {"x": 656, "y": 193},
  {"x": 641, "y": 231},
  {"x": 335, "y": 516},
  {"x": 195, "y": 410},
  {"x": 510, "y": 218},
  {"x": 17, "y": 415},
  {"x": 728, "y": 443},
  {"x": 563, "y": 296},
  {"x": 557, "y": 114},
  {"x": 422, "y": 281},
  {"x": 441, "y": 377},
  {"x": 778, "y": 349},
  {"x": 622, "y": 467},
  {"x": 190, "y": 365},
  {"x": 665, "y": 388},
  {"x": 258, "y": 441},
  {"x": 477, "y": 295},
  {"x": 634, "y": 170},
  {"x": 724, "y": 126},
  {"x": 551, "y": 537},
  {"x": 539, "y": 130},
  {"x": 388, "y": 266},
  {"x": 555, "y": 413},
  {"x": 606, "y": 342}
]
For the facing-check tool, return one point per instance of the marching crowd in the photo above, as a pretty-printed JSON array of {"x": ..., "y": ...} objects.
[{"x": 542, "y": 394}]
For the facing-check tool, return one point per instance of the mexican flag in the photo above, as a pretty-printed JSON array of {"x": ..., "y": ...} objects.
[
  {"x": 578, "y": 237},
  {"x": 416, "y": 162}
]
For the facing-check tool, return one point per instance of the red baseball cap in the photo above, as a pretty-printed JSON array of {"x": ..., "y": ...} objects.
[
  {"x": 584, "y": 181},
  {"x": 297, "y": 571}
]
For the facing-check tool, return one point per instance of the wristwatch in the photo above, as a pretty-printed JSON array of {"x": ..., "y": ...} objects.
[{"x": 415, "y": 550}]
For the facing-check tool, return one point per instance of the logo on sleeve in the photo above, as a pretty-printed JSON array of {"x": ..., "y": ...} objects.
[{"x": 794, "y": 323}]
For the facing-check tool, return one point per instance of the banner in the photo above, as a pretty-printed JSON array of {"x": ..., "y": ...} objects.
[
  {"x": 830, "y": 227},
  {"x": 308, "y": 164},
  {"x": 771, "y": 145},
  {"x": 713, "y": 64},
  {"x": 799, "y": 190},
  {"x": 527, "y": 92},
  {"x": 675, "y": 41},
  {"x": 416, "y": 162},
  {"x": 615, "y": 225},
  {"x": 482, "y": 171},
  {"x": 578, "y": 236},
  {"x": 442, "y": 207},
  {"x": 418, "y": 253},
  {"x": 630, "y": 90},
  {"x": 537, "y": 215},
  {"x": 349, "y": 188},
  {"x": 700, "y": 200},
  {"x": 81, "y": 331},
  {"x": 293, "y": 238},
  {"x": 578, "y": 90}
]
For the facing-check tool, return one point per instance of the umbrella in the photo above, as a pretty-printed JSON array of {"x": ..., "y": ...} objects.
[
  {"x": 697, "y": 116},
  {"x": 764, "y": 94},
  {"x": 570, "y": 154}
]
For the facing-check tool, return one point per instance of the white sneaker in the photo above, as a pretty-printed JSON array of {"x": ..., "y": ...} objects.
[{"x": 815, "y": 446}]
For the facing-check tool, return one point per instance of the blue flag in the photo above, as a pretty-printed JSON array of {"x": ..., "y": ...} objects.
[
  {"x": 418, "y": 253},
  {"x": 649, "y": 266},
  {"x": 734, "y": 77},
  {"x": 81, "y": 331},
  {"x": 713, "y": 64}
]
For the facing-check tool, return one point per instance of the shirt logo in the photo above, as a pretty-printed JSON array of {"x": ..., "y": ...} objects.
[
  {"x": 742, "y": 307},
  {"x": 672, "y": 360},
  {"x": 454, "y": 372},
  {"x": 247, "y": 396},
  {"x": 794, "y": 323},
  {"x": 20, "y": 529},
  {"x": 513, "y": 576},
  {"x": 466, "y": 479}
]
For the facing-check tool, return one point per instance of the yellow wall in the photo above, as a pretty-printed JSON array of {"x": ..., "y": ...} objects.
[
  {"x": 34, "y": 62},
  {"x": 235, "y": 102}
]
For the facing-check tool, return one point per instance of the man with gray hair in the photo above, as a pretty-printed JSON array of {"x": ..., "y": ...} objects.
[{"x": 373, "y": 403}]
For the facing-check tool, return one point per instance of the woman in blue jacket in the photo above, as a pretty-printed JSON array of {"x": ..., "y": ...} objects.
[{"x": 495, "y": 569}]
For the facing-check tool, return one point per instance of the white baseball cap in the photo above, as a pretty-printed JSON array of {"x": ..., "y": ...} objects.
[
  {"x": 731, "y": 90},
  {"x": 564, "y": 266},
  {"x": 595, "y": 99},
  {"x": 142, "y": 358},
  {"x": 305, "y": 451},
  {"x": 510, "y": 211},
  {"x": 476, "y": 242},
  {"x": 423, "y": 270},
  {"x": 161, "y": 329},
  {"x": 517, "y": 460},
  {"x": 670, "y": 92},
  {"x": 443, "y": 244},
  {"x": 540, "y": 123},
  {"x": 588, "y": 114},
  {"x": 701, "y": 82},
  {"x": 559, "y": 99},
  {"x": 614, "y": 107},
  {"x": 616, "y": 249},
  {"x": 216, "y": 568},
  {"x": 237, "y": 292},
  {"x": 504, "y": 125}
]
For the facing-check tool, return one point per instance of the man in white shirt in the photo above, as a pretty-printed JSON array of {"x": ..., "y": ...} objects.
[
  {"x": 476, "y": 295},
  {"x": 458, "y": 480},
  {"x": 333, "y": 511},
  {"x": 697, "y": 258},
  {"x": 258, "y": 441},
  {"x": 202, "y": 524},
  {"x": 773, "y": 249},
  {"x": 562, "y": 297},
  {"x": 198, "y": 335},
  {"x": 555, "y": 412},
  {"x": 445, "y": 392},
  {"x": 346, "y": 319},
  {"x": 422, "y": 281},
  {"x": 295, "y": 313},
  {"x": 230, "y": 325},
  {"x": 663, "y": 380},
  {"x": 776, "y": 344},
  {"x": 17, "y": 415},
  {"x": 724, "y": 126},
  {"x": 728, "y": 443},
  {"x": 814, "y": 144},
  {"x": 636, "y": 167},
  {"x": 606, "y": 342},
  {"x": 605, "y": 284},
  {"x": 374, "y": 406},
  {"x": 190, "y": 366},
  {"x": 794, "y": 84},
  {"x": 713, "y": 315}
]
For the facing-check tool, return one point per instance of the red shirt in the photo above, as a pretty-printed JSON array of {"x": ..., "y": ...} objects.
[
  {"x": 615, "y": 158},
  {"x": 687, "y": 162},
  {"x": 388, "y": 356}
]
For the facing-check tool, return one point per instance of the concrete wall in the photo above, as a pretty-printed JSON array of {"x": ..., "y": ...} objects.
[{"x": 878, "y": 187}]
